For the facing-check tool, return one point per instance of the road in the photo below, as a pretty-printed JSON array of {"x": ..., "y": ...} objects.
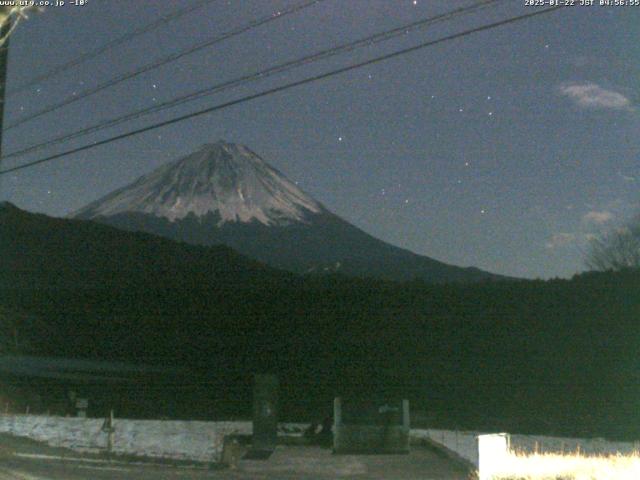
[{"x": 287, "y": 463}]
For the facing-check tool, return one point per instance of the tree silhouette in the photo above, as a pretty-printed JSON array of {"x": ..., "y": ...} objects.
[{"x": 618, "y": 249}]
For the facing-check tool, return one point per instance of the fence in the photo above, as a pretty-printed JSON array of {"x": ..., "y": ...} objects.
[{"x": 180, "y": 440}]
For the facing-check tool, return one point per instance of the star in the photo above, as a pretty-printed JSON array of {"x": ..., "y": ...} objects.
[
  {"x": 154, "y": 86},
  {"x": 489, "y": 97},
  {"x": 339, "y": 139},
  {"x": 466, "y": 164},
  {"x": 490, "y": 114},
  {"x": 461, "y": 110},
  {"x": 483, "y": 211},
  {"x": 415, "y": 2}
]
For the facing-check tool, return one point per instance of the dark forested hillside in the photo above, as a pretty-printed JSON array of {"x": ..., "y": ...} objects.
[
  {"x": 525, "y": 356},
  {"x": 44, "y": 252}
]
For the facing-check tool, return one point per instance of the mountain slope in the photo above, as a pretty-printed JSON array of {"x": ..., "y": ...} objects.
[
  {"x": 45, "y": 252},
  {"x": 224, "y": 193}
]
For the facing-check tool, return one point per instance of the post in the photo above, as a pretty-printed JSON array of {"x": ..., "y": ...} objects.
[
  {"x": 82, "y": 405},
  {"x": 406, "y": 422},
  {"x": 337, "y": 413},
  {"x": 337, "y": 424},
  {"x": 492, "y": 451},
  {"x": 265, "y": 413},
  {"x": 109, "y": 429},
  {"x": 110, "y": 433}
]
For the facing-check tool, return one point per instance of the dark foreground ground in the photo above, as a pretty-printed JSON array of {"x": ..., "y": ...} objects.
[{"x": 20, "y": 460}]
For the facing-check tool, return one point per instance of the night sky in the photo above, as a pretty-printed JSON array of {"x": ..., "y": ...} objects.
[{"x": 505, "y": 149}]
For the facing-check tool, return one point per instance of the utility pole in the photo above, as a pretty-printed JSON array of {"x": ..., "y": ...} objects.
[
  {"x": 4, "y": 59},
  {"x": 5, "y": 30},
  {"x": 10, "y": 17}
]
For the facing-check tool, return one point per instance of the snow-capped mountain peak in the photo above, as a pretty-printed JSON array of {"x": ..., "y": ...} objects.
[{"x": 223, "y": 179}]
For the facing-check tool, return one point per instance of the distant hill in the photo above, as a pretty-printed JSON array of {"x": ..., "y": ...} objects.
[
  {"x": 226, "y": 194},
  {"x": 45, "y": 252}
]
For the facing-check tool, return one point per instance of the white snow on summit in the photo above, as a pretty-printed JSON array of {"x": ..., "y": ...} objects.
[{"x": 221, "y": 178}]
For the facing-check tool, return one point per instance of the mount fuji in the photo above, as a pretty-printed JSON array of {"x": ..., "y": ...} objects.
[{"x": 226, "y": 194}]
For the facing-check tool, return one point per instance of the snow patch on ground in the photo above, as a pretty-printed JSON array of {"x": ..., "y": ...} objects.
[
  {"x": 464, "y": 444},
  {"x": 181, "y": 440},
  {"x": 203, "y": 441}
]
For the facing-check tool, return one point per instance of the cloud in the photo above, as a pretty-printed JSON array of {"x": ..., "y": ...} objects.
[
  {"x": 560, "y": 240},
  {"x": 598, "y": 218},
  {"x": 626, "y": 178},
  {"x": 592, "y": 95},
  {"x": 582, "y": 61}
]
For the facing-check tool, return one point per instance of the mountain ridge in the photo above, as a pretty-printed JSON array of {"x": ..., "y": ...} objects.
[{"x": 225, "y": 178}]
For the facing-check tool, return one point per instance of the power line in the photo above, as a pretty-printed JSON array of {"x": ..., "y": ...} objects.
[
  {"x": 163, "y": 20},
  {"x": 281, "y": 88},
  {"x": 165, "y": 60},
  {"x": 283, "y": 67}
]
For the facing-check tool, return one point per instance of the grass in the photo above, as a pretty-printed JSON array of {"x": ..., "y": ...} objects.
[{"x": 571, "y": 466}]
